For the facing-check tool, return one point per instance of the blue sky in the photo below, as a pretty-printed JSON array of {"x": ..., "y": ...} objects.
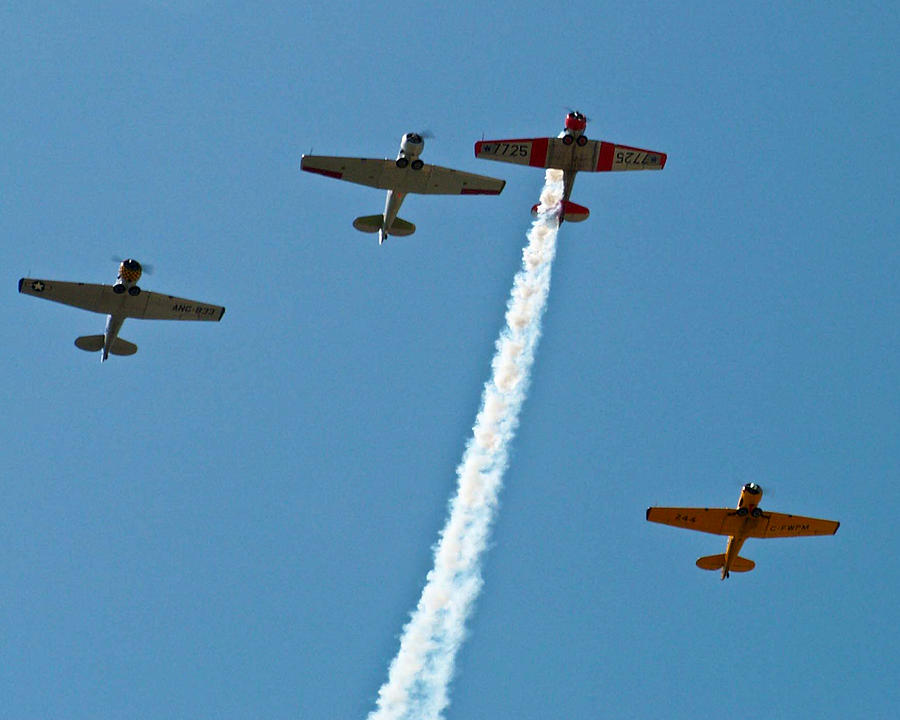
[{"x": 237, "y": 521}]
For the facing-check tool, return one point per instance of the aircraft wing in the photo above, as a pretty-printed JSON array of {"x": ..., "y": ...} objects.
[
  {"x": 725, "y": 521},
  {"x": 593, "y": 156},
  {"x": 156, "y": 306},
  {"x": 86, "y": 296},
  {"x": 384, "y": 174},
  {"x": 719, "y": 521},
  {"x": 102, "y": 299},
  {"x": 784, "y": 525}
]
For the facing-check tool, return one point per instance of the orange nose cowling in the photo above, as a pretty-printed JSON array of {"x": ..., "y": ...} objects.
[{"x": 130, "y": 274}]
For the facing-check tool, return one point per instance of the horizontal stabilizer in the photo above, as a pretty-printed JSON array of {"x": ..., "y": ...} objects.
[
  {"x": 742, "y": 565},
  {"x": 568, "y": 211},
  {"x": 717, "y": 562},
  {"x": 369, "y": 223},
  {"x": 711, "y": 562},
  {"x": 122, "y": 347},
  {"x": 401, "y": 228},
  {"x": 571, "y": 212},
  {"x": 90, "y": 343}
]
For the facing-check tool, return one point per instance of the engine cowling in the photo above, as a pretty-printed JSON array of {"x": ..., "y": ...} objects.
[
  {"x": 411, "y": 146},
  {"x": 130, "y": 271}
]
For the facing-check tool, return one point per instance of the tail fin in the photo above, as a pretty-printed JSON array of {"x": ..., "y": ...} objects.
[
  {"x": 568, "y": 211},
  {"x": 89, "y": 343},
  {"x": 122, "y": 347},
  {"x": 717, "y": 562}
]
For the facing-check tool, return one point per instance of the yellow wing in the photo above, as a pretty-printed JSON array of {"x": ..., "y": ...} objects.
[
  {"x": 726, "y": 521},
  {"x": 784, "y": 525},
  {"x": 719, "y": 521}
]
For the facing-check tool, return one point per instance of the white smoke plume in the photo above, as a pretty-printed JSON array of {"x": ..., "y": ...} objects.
[{"x": 419, "y": 676}]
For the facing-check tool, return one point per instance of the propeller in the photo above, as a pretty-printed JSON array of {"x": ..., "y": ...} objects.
[
  {"x": 146, "y": 268},
  {"x": 573, "y": 110}
]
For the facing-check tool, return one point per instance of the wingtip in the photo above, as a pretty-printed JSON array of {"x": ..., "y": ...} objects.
[
  {"x": 647, "y": 514},
  {"x": 21, "y": 282}
]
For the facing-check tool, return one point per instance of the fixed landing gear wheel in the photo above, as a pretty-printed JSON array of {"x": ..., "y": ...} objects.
[
  {"x": 402, "y": 162},
  {"x": 581, "y": 141},
  {"x": 417, "y": 164},
  {"x": 756, "y": 512},
  {"x": 118, "y": 289},
  {"x": 742, "y": 512},
  {"x": 568, "y": 139},
  {"x": 134, "y": 290}
]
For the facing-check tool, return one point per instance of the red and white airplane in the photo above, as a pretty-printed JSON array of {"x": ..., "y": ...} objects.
[{"x": 572, "y": 152}]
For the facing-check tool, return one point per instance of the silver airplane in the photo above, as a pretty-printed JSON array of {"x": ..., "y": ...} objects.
[
  {"x": 401, "y": 176},
  {"x": 124, "y": 299}
]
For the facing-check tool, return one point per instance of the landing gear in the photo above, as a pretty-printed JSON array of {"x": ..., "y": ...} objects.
[
  {"x": 134, "y": 290},
  {"x": 581, "y": 141},
  {"x": 417, "y": 164},
  {"x": 567, "y": 139},
  {"x": 118, "y": 288},
  {"x": 756, "y": 512},
  {"x": 402, "y": 162},
  {"x": 742, "y": 512}
]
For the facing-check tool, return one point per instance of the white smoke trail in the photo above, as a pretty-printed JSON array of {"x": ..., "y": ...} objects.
[{"x": 420, "y": 674}]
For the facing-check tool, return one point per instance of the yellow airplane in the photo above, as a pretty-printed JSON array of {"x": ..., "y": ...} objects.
[{"x": 745, "y": 521}]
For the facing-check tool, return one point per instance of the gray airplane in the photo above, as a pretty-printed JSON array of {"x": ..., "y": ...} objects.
[
  {"x": 408, "y": 173},
  {"x": 123, "y": 300}
]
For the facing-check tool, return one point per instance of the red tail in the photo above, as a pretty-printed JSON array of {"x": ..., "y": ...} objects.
[{"x": 568, "y": 211}]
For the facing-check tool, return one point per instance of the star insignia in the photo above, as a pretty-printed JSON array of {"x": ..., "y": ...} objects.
[{"x": 38, "y": 286}]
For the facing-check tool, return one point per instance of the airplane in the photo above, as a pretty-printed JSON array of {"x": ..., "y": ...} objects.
[
  {"x": 406, "y": 174},
  {"x": 125, "y": 299},
  {"x": 745, "y": 521},
  {"x": 572, "y": 152}
]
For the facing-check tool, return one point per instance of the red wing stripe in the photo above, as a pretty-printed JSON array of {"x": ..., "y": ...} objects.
[
  {"x": 539, "y": 152},
  {"x": 605, "y": 160},
  {"x": 327, "y": 173}
]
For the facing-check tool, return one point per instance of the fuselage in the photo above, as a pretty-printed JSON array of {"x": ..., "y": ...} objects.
[
  {"x": 126, "y": 284},
  {"x": 572, "y": 134},
  {"x": 411, "y": 146},
  {"x": 747, "y": 507}
]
